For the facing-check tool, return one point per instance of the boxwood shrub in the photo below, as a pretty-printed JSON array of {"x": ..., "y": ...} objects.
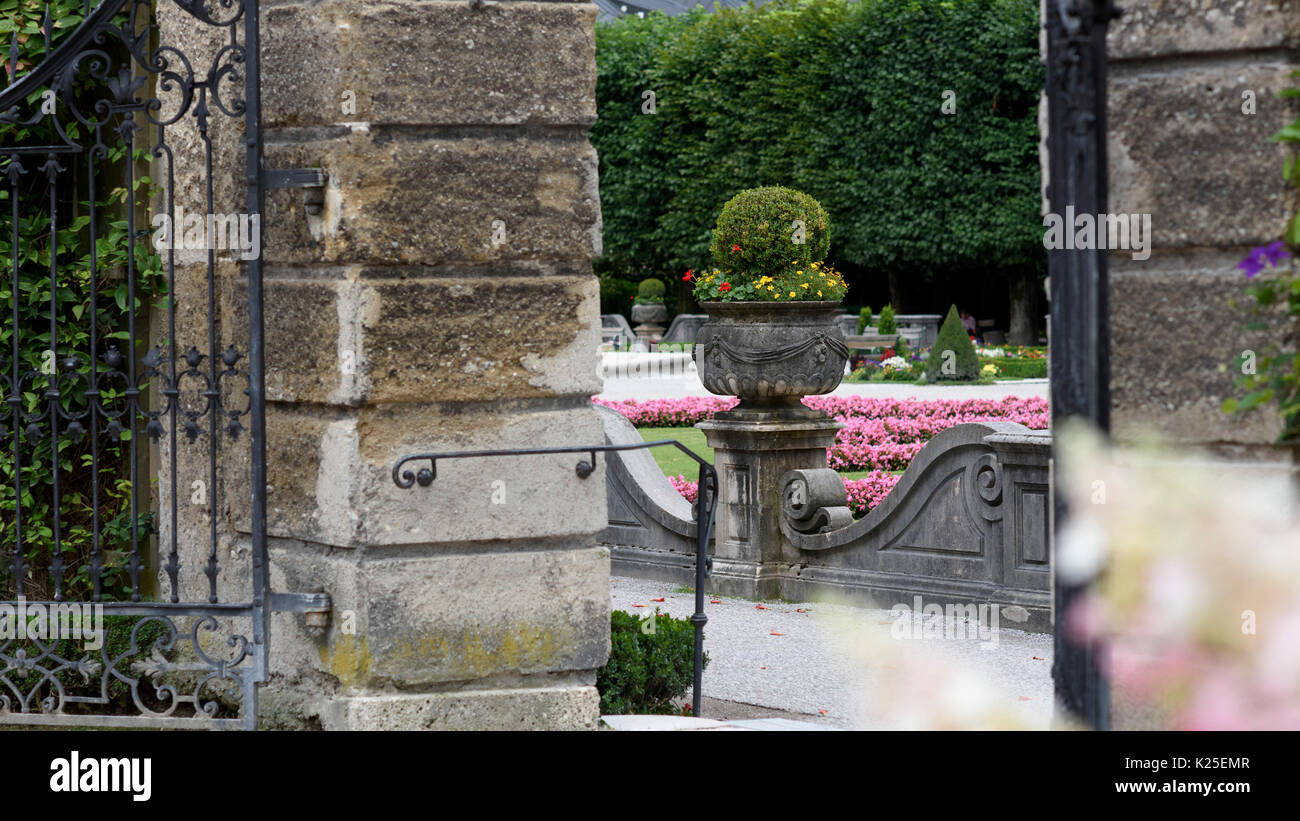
[{"x": 647, "y": 667}]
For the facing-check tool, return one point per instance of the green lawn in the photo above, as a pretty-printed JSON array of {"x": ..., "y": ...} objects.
[
  {"x": 675, "y": 463},
  {"x": 671, "y": 460}
]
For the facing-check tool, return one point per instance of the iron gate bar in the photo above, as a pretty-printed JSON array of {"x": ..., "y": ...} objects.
[
  {"x": 118, "y": 60},
  {"x": 1080, "y": 360},
  {"x": 706, "y": 502}
]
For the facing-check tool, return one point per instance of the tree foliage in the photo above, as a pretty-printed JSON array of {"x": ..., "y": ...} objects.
[{"x": 845, "y": 101}]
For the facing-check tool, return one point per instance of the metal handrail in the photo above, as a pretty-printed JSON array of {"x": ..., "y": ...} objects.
[{"x": 706, "y": 502}]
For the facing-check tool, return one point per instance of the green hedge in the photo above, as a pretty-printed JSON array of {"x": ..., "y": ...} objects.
[
  {"x": 841, "y": 100},
  {"x": 650, "y": 664},
  {"x": 1016, "y": 368}
]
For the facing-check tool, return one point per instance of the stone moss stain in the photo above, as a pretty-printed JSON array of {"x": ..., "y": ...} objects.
[
  {"x": 522, "y": 647},
  {"x": 348, "y": 659}
]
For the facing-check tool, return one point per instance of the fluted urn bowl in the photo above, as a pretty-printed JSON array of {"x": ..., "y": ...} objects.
[
  {"x": 771, "y": 355},
  {"x": 649, "y": 312}
]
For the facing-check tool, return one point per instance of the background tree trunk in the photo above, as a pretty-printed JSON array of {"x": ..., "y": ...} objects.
[
  {"x": 895, "y": 292},
  {"x": 1022, "y": 287}
]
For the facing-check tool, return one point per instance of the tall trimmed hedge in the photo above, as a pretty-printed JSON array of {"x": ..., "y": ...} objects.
[{"x": 841, "y": 100}]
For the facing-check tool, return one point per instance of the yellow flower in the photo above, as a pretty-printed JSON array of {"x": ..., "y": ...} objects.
[
  {"x": 792, "y": 293},
  {"x": 771, "y": 288},
  {"x": 804, "y": 284},
  {"x": 819, "y": 293}
]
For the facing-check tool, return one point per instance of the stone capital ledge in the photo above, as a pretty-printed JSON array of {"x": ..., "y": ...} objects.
[
  {"x": 561, "y": 708},
  {"x": 769, "y": 436},
  {"x": 420, "y": 62},
  {"x": 1189, "y": 27}
]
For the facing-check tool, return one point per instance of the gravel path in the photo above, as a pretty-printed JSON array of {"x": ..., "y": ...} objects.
[
  {"x": 677, "y": 387},
  {"x": 809, "y": 658}
]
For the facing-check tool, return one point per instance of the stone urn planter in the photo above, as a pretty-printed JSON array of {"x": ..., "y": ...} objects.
[
  {"x": 650, "y": 318},
  {"x": 653, "y": 313},
  {"x": 771, "y": 354}
]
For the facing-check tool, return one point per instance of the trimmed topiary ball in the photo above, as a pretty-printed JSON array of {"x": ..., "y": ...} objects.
[
  {"x": 953, "y": 356},
  {"x": 650, "y": 290},
  {"x": 764, "y": 231}
]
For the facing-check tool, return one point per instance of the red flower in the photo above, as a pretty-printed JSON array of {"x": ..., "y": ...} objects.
[
  {"x": 888, "y": 353},
  {"x": 726, "y": 286},
  {"x": 735, "y": 248},
  {"x": 687, "y": 277}
]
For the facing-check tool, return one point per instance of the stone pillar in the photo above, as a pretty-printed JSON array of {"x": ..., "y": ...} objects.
[
  {"x": 1192, "y": 102},
  {"x": 441, "y": 300},
  {"x": 750, "y": 554}
]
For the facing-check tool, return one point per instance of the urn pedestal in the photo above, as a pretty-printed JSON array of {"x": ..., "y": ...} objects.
[
  {"x": 650, "y": 317},
  {"x": 750, "y": 555}
]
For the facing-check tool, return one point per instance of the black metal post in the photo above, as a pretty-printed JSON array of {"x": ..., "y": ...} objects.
[
  {"x": 1080, "y": 355},
  {"x": 705, "y": 497}
]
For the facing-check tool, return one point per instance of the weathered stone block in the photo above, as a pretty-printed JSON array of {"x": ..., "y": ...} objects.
[
  {"x": 1182, "y": 150},
  {"x": 430, "y": 63},
  {"x": 1175, "y": 27},
  {"x": 454, "y": 340},
  {"x": 397, "y": 198},
  {"x": 573, "y": 708},
  {"x": 331, "y": 481},
  {"x": 426, "y": 620},
  {"x": 1173, "y": 339},
  {"x": 359, "y": 340}
]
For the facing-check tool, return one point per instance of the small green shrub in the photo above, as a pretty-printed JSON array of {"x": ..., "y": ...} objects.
[
  {"x": 952, "y": 337},
  {"x": 650, "y": 290},
  {"x": 887, "y": 325},
  {"x": 864, "y": 319},
  {"x": 650, "y": 664}
]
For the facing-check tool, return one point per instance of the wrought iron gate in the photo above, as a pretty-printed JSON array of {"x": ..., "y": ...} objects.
[
  {"x": 134, "y": 488},
  {"x": 1080, "y": 361}
]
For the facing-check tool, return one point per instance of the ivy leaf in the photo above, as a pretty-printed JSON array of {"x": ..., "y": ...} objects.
[
  {"x": 1255, "y": 398},
  {"x": 1290, "y": 134}
]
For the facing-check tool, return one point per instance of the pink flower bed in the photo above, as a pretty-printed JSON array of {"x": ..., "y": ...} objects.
[
  {"x": 878, "y": 434},
  {"x": 685, "y": 486},
  {"x": 670, "y": 413}
]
